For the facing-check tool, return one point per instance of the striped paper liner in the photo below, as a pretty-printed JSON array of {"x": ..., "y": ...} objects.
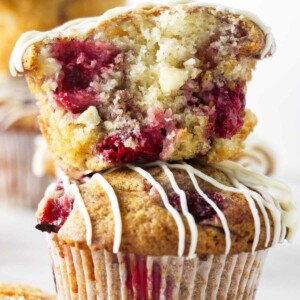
[
  {"x": 88, "y": 274},
  {"x": 18, "y": 186}
]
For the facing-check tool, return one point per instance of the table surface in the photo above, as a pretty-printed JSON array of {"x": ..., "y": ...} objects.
[{"x": 24, "y": 257}]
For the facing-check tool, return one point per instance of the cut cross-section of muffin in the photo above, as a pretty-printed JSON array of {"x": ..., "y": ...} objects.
[{"x": 141, "y": 84}]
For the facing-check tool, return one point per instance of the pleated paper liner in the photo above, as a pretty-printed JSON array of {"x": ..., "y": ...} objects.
[
  {"x": 18, "y": 186},
  {"x": 87, "y": 274}
]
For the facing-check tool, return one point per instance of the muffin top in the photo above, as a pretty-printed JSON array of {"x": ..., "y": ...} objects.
[
  {"x": 170, "y": 209},
  {"x": 22, "y": 292}
]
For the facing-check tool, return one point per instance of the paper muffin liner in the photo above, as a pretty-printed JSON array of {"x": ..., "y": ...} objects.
[
  {"x": 88, "y": 274},
  {"x": 18, "y": 186}
]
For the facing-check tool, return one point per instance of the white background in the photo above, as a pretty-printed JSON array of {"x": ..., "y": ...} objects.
[{"x": 274, "y": 95}]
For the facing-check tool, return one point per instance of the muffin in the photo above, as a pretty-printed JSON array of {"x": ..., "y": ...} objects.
[
  {"x": 141, "y": 84},
  {"x": 178, "y": 231},
  {"x": 22, "y": 292},
  {"x": 257, "y": 157},
  {"x": 18, "y": 111}
]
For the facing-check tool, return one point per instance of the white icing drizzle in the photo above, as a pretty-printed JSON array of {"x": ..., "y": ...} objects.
[
  {"x": 190, "y": 170},
  {"x": 115, "y": 208},
  {"x": 267, "y": 193},
  {"x": 271, "y": 190},
  {"x": 169, "y": 207},
  {"x": 74, "y": 190},
  {"x": 85, "y": 25},
  {"x": 253, "y": 209},
  {"x": 215, "y": 207},
  {"x": 185, "y": 211}
]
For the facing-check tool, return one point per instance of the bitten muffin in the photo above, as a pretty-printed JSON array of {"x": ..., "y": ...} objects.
[
  {"x": 22, "y": 292},
  {"x": 140, "y": 84},
  {"x": 161, "y": 222}
]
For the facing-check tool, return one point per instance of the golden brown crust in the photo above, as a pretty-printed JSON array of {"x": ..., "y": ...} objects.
[
  {"x": 19, "y": 292},
  {"x": 148, "y": 227},
  {"x": 253, "y": 46},
  {"x": 17, "y": 17}
]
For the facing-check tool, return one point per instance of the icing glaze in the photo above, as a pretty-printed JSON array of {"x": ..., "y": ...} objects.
[
  {"x": 262, "y": 193},
  {"x": 169, "y": 207},
  {"x": 74, "y": 191},
  {"x": 83, "y": 26},
  {"x": 115, "y": 208}
]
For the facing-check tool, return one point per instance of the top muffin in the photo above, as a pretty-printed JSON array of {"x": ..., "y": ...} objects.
[{"x": 137, "y": 85}]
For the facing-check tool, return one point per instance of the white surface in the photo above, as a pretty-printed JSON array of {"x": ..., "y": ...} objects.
[
  {"x": 24, "y": 257},
  {"x": 23, "y": 250}
]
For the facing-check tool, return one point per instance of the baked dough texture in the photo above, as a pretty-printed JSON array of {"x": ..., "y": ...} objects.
[{"x": 150, "y": 83}]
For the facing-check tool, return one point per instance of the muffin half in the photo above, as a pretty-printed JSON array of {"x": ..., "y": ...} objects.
[{"x": 137, "y": 85}]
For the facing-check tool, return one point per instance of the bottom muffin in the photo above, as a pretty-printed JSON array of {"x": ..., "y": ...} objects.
[{"x": 165, "y": 231}]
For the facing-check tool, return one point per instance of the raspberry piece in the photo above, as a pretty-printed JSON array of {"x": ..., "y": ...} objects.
[
  {"x": 149, "y": 144},
  {"x": 81, "y": 63},
  {"x": 55, "y": 214},
  {"x": 197, "y": 206},
  {"x": 230, "y": 110}
]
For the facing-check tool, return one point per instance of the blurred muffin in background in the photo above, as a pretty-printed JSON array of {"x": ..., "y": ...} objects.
[
  {"x": 18, "y": 122},
  {"x": 259, "y": 158},
  {"x": 14, "y": 291},
  {"x": 17, "y": 17}
]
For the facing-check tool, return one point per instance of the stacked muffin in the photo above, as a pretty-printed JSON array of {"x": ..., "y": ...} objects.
[
  {"x": 142, "y": 108},
  {"x": 18, "y": 112}
]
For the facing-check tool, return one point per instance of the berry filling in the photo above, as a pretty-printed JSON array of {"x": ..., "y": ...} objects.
[
  {"x": 198, "y": 207},
  {"x": 142, "y": 147},
  {"x": 224, "y": 107},
  {"x": 230, "y": 110},
  {"x": 148, "y": 146},
  {"x": 82, "y": 63},
  {"x": 55, "y": 214}
]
